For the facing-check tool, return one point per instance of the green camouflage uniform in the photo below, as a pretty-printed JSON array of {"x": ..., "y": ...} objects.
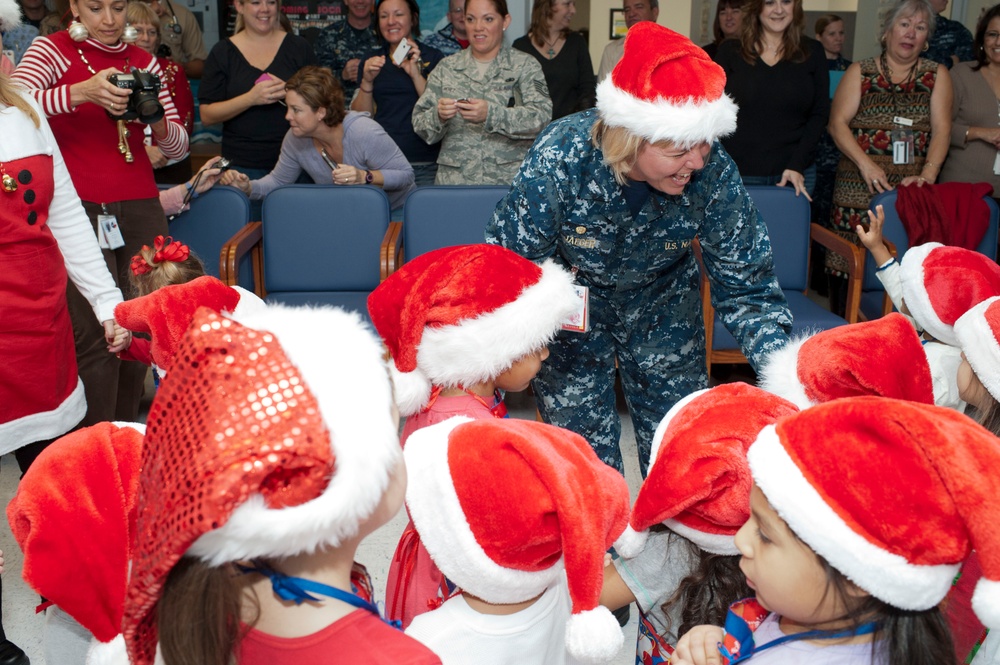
[
  {"x": 339, "y": 43},
  {"x": 487, "y": 153}
]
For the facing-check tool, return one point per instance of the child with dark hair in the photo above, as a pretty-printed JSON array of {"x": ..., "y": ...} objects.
[
  {"x": 679, "y": 562},
  {"x": 862, "y": 513},
  {"x": 978, "y": 331}
]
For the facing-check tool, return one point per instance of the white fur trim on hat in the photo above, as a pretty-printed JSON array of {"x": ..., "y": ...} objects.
[
  {"x": 341, "y": 362},
  {"x": 979, "y": 344},
  {"x": 779, "y": 373},
  {"x": 412, "y": 390},
  {"x": 631, "y": 543},
  {"x": 716, "y": 543},
  {"x": 114, "y": 653},
  {"x": 986, "y": 602},
  {"x": 445, "y": 532},
  {"x": 594, "y": 636},
  {"x": 10, "y": 15},
  {"x": 482, "y": 348},
  {"x": 887, "y": 576},
  {"x": 915, "y": 296},
  {"x": 684, "y": 124}
]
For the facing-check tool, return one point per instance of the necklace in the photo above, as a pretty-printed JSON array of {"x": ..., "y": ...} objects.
[
  {"x": 552, "y": 46},
  {"x": 888, "y": 72},
  {"x": 123, "y": 131}
]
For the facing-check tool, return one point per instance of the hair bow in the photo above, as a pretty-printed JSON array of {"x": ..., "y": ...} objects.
[{"x": 168, "y": 250}]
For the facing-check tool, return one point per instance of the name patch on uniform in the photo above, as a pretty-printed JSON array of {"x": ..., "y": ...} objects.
[
  {"x": 673, "y": 245},
  {"x": 582, "y": 243}
]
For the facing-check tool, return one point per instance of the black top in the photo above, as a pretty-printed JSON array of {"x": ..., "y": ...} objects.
[
  {"x": 253, "y": 138},
  {"x": 783, "y": 109},
  {"x": 569, "y": 75},
  {"x": 394, "y": 97}
]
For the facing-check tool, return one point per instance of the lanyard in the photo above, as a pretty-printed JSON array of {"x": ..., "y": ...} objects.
[{"x": 498, "y": 408}]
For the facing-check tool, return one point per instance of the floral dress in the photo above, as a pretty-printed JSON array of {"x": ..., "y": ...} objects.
[{"x": 880, "y": 102}]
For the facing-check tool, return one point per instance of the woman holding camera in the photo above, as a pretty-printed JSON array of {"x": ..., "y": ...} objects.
[{"x": 72, "y": 74}]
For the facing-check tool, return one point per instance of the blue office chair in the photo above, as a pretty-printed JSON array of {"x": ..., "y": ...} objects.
[
  {"x": 787, "y": 219},
  {"x": 320, "y": 245}
]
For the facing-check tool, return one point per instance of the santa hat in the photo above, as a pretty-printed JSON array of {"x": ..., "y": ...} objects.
[
  {"x": 74, "y": 517},
  {"x": 272, "y": 436},
  {"x": 978, "y": 332},
  {"x": 893, "y": 494},
  {"x": 883, "y": 358},
  {"x": 942, "y": 283},
  {"x": 166, "y": 313},
  {"x": 10, "y": 15},
  {"x": 699, "y": 482},
  {"x": 665, "y": 88},
  {"x": 505, "y": 506},
  {"x": 463, "y": 315}
]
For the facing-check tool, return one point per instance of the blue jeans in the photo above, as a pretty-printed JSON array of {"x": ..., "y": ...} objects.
[{"x": 809, "y": 175}]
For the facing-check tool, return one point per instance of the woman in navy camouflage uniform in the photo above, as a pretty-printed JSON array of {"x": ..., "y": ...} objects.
[{"x": 618, "y": 196}]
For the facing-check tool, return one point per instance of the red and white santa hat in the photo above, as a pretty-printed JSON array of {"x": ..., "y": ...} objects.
[
  {"x": 699, "y": 482},
  {"x": 893, "y": 494},
  {"x": 883, "y": 358},
  {"x": 166, "y": 313},
  {"x": 505, "y": 506},
  {"x": 77, "y": 503},
  {"x": 978, "y": 332},
  {"x": 665, "y": 88},
  {"x": 942, "y": 283},
  {"x": 272, "y": 436},
  {"x": 462, "y": 315}
]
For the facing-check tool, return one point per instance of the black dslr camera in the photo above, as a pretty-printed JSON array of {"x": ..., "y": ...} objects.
[{"x": 143, "y": 103}]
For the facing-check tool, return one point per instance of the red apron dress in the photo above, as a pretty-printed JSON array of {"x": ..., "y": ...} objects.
[{"x": 41, "y": 396}]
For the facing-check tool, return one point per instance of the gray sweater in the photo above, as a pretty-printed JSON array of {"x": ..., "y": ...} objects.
[{"x": 366, "y": 146}]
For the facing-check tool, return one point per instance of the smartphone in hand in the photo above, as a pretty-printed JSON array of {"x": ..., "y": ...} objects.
[
  {"x": 401, "y": 52},
  {"x": 326, "y": 158}
]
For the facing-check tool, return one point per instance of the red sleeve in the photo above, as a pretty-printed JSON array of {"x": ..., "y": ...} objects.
[{"x": 138, "y": 351}]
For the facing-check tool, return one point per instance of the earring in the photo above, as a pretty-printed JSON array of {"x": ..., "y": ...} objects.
[
  {"x": 925, "y": 48},
  {"x": 78, "y": 31},
  {"x": 129, "y": 34}
]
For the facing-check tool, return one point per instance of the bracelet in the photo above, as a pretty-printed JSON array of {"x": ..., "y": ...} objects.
[
  {"x": 930, "y": 164},
  {"x": 369, "y": 91},
  {"x": 191, "y": 190}
]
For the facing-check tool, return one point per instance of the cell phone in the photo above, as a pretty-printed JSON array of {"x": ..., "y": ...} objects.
[
  {"x": 263, "y": 77},
  {"x": 401, "y": 52},
  {"x": 463, "y": 99},
  {"x": 326, "y": 158}
]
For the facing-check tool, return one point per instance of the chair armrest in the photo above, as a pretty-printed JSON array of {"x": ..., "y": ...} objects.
[
  {"x": 855, "y": 258},
  {"x": 245, "y": 240},
  {"x": 389, "y": 251}
]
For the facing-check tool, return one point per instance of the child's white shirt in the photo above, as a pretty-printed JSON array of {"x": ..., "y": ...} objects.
[
  {"x": 536, "y": 635},
  {"x": 801, "y": 652},
  {"x": 888, "y": 274}
]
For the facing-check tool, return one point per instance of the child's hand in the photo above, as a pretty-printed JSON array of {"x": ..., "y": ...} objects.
[
  {"x": 699, "y": 646},
  {"x": 118, "y": 338},
  {"x": 872, "y": 238}
]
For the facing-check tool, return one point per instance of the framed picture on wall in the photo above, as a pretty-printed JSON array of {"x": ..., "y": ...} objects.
[{"x": 617, "y": 25}]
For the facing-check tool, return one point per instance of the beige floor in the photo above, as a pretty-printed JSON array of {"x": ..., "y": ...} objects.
[{"x": 25, "y": 628}]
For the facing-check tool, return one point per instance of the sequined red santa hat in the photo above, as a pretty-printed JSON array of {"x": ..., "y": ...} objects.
[
  {"x": 893, "y": 494},
  {"x": 463, "y": 315},
  {"x": 699, "y": 482},
  {"x": 10, "y": 15},
  {"x": 883, "y": 358},
  {"x": 165, "y": 314},
  {"x": 665, "y": 88},
  {"x": 273, "y": 435},
  {"x": 77, "y": 503},
  {"x": 505, "y": 506},
  {"x": 978, "y": 332},
  {"x": 942, "y": 283}
]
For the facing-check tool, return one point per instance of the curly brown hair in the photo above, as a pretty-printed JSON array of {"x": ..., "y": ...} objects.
[
  {"x": 793, "y": 49},
  {"x": 541, "y": 14},
  {"x": 319, "y": 88}
]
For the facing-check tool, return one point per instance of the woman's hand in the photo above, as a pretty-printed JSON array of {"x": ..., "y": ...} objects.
[
  {"x": 917, "y": 180},
  {"x": 411, "y": 63},
  {"x": 156, "y": 157},
  {"x": 447, "y": 109},
  {"x": 989, "y": 135},
  {"x": 99, "y": 90},
  {"x": 474, "y": 110},
  {"x": 796, "y": 180},
  {"x": 267, "y": 91},
  {"x": 207, "y": 176},
  {"x": 350, "y": 72},
  {"x": 118, "y": 338},
  {"x": 372, "y": 68},
  {"x": 874, "y": 177},
  {"x": 236, "y": 179},
  {"x": 699, "y": 646},
  {"x": 345, "y": 174}
]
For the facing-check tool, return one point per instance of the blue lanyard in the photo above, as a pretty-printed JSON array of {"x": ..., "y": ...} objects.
[
  {"x": 863, "y": 629},
  {"x": 298, "y": 589}
]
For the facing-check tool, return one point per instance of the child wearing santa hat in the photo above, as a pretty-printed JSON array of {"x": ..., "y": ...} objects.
[
  {"x": 518, "y": 514},
  {"x": 270, "y": 454},
  {"x": 862, "y": 512},
  {"x": 679, "y": 562},
  {"x": 462, "y": 324},
  {"x": 978, "y": 332}
]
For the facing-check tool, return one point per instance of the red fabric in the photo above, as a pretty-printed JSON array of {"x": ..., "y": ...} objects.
[
  {"x": 956, "y": 279},
  {"x": 966, "y": 628},
  {"x": 177, "y": 84},
  {"x": 38, "y": 370},
  {"x": 77, "y": 502},
  {"x": 952, "y": 213},
  {"x": 359, "y": 637},
  {"x": 138, "y": 351}
]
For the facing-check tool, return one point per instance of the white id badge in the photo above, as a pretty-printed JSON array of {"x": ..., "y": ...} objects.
[
  {"x": 902, "y": 146},
  {"x": 996, "y": 164},
  {"x": 579, "y": 319},
  {"x": 102, "y": 240},
  {"x": 112, "y": 234}
]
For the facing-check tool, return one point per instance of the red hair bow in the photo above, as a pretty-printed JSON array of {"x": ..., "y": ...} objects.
[{"x": 168, "y": 250}]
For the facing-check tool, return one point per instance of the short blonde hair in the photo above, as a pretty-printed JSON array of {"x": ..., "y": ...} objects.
[{"x": 140, "y": 12}]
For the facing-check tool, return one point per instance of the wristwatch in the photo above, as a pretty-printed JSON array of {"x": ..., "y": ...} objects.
[{"x": 369, "y": 177}]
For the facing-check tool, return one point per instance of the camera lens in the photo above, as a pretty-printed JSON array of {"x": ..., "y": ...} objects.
[{"x": 147, "y": 106}]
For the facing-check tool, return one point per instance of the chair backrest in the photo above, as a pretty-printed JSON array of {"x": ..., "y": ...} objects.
[
  {"x": 894, "y": 231},
  {"x": 447, "y": 215},
  {"x": 787, "y": 219},
  {"x": 323, "y": 239},
  {"x": 211, "y": 220}
]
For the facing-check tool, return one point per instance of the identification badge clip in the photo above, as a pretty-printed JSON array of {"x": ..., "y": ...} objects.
[
  {"x": 996, "y": 164},
  {"x": 579, "y": 319},
  {"x": 900, "y": 120},
  {"x": 110, "y": 232},
  {"x": 902, "y": 146}
]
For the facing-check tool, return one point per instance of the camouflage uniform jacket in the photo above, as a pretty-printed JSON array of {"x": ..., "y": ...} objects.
[
  {"x": 950, "y": 38},
  {"x": 443, "y": 40},
  {"x": 490, "y": 152},
  {"x": 337, "y": 44}
]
